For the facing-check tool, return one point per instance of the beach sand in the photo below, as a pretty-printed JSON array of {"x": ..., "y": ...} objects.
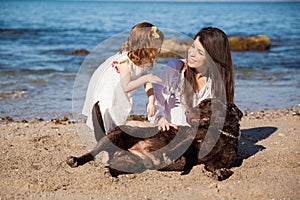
[{"x": 33, "y": 165}]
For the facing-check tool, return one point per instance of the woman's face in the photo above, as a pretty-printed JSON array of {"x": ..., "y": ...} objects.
[{"x": 196, "y": 55}]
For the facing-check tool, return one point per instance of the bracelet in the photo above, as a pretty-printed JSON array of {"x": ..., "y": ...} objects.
[{"x": 150, "y": 92}]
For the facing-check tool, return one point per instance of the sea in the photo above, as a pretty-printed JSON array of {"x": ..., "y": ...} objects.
[{"x": 40, "y": 78}]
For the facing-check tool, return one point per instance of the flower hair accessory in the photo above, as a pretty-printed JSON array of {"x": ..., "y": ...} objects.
[
  {"x": 115, "y": 66},
  {"x": 154, "y": 32}
]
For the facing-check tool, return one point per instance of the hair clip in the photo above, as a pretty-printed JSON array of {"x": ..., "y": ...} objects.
[{"x": 154, "y": 32}]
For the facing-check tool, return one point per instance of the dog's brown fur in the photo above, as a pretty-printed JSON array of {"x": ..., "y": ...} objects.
[{"x": 136, "y": 154}]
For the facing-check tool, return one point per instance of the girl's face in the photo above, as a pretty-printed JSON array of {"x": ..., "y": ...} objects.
[{"x": 196, "y": 56}]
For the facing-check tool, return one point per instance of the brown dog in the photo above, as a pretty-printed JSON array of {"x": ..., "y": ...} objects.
[{"x": 211, "y": 140}]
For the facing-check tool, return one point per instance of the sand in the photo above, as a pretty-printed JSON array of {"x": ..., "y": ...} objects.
[{"x": 33, "y": 165}]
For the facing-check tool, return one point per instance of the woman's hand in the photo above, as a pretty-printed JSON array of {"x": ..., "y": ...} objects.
[
  {"x": 151, "y": 109},
  {"x": 164, "y": 125},
  {"x": 173, "y": 102}
]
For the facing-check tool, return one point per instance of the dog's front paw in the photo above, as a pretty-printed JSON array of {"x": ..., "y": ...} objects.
[
  {"x": 167, "y": 159},
  {"x": 218, "y": 174},
  {"x": 222, "y": 174},
  {"x": 72, "y": 161}
]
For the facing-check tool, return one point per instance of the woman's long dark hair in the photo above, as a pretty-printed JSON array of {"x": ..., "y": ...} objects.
[{"x": 216, "y": 44}]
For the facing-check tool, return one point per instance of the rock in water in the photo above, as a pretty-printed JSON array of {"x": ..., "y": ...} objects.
[{"x": 256, "y": 43}]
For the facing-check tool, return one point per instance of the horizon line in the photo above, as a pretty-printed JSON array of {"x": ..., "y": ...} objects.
[{"x": 206, "y": 1}]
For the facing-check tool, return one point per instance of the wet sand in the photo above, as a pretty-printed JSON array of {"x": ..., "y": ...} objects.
[{"x": 33, "y": 165}]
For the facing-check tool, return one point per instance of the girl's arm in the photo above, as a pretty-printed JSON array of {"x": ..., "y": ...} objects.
[
  {"x": 151, "y": 100},
  {"x": 129, "y": 85}
]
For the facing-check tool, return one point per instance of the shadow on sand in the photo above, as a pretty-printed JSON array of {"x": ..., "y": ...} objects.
[{"x": 247, "y": 146}]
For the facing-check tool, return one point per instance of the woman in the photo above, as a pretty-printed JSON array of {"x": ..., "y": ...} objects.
[{"x": 207, "y": 72}]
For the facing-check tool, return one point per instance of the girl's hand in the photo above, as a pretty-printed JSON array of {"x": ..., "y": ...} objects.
[
  {"x": 151, "y": 110},
  {"x": 151, "y": 78},
  {"x": 164, "y": 125}
]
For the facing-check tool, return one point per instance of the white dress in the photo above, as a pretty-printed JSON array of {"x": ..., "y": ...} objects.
[
  {"x": 105, "y": 87},
  {"x": 170, "y": 91}
]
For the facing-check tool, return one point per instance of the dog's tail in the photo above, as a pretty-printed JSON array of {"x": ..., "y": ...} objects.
[{"x": 98, "y": 124}]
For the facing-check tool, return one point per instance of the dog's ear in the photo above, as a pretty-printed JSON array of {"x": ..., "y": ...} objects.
[
  {"x": 204, "y": 104},
  {"x": 236, "y": 111}
]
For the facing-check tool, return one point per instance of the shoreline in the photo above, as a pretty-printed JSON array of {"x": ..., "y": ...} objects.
[
  {"x": 68, "y": 118},
  {"x": 33, "y": 164}
]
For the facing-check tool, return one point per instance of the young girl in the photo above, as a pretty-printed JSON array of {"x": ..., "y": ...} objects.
[{"x": 112, "y": 84}]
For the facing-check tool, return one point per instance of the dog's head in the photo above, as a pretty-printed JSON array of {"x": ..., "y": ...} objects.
[{"x": 201, "y": 115}]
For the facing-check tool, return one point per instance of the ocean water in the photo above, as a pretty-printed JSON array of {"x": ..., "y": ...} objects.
[{"x": 40, "y": 78}]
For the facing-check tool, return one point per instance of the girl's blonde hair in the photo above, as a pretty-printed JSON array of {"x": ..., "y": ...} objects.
[{"x": 143, "y": 43}]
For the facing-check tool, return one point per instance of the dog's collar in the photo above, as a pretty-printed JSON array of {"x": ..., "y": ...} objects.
[{"x": 228, "y": 134}]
